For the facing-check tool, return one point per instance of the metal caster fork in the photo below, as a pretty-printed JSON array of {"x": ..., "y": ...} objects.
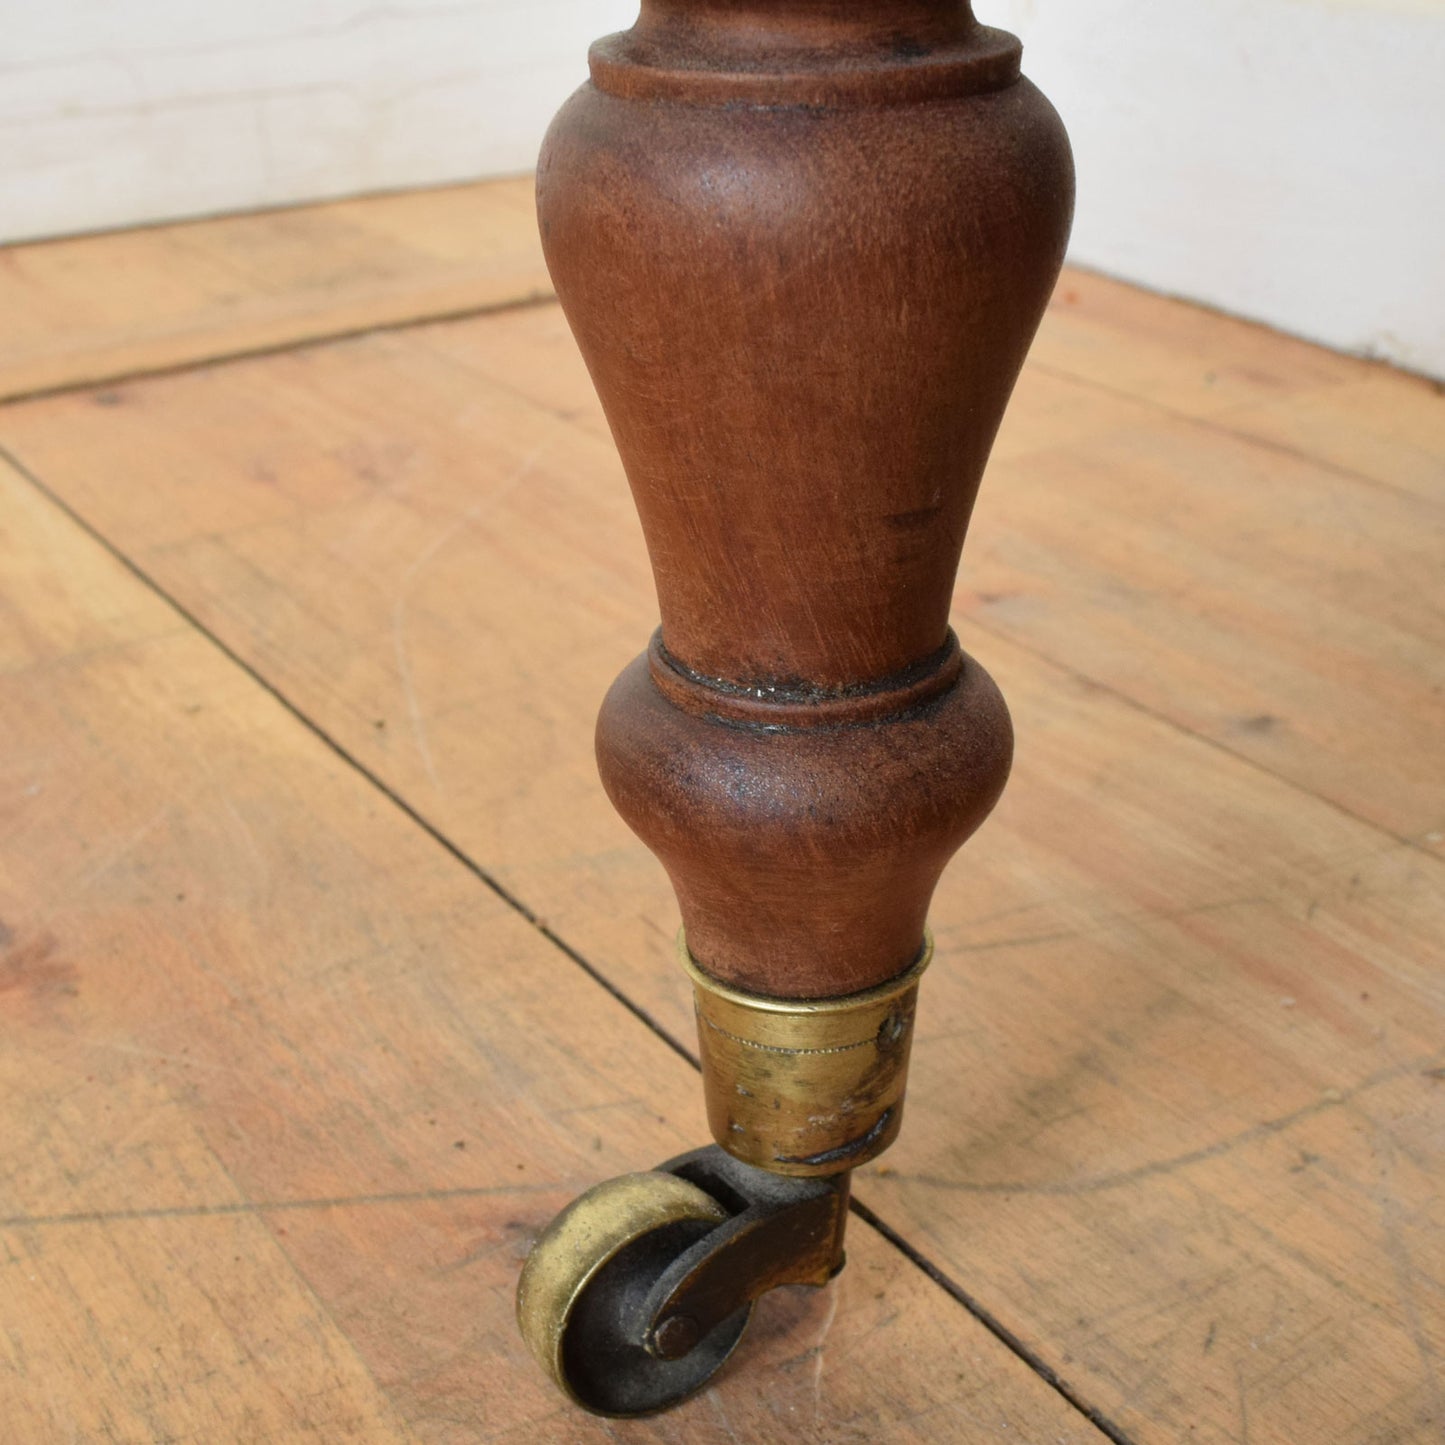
[{"x": 636, "y": 1294}]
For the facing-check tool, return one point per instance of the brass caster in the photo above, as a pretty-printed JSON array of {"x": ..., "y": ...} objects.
[{"x": 636, "y": 1294}]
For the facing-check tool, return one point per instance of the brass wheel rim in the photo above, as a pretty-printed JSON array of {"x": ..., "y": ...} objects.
[{"x": 582, "y": 1240}]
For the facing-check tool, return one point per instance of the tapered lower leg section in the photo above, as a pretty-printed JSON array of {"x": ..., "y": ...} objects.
[
  {"x": 805, "y": 849},
  {"x": 805, "y": 842}
]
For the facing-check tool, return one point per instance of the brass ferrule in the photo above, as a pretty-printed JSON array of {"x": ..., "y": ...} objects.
[{"x": 805, "y": 1086}]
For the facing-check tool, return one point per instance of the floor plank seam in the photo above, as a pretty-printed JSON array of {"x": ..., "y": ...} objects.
[
  {"x": 1005, "y": 1336},
  {"x": 994, "y": 1326},
  {"x": 104, "y": 379},
  {"x": 304, "y": 1283}
]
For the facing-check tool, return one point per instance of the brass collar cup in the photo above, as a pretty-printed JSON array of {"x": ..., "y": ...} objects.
[{"x": 805, "y": 1086}]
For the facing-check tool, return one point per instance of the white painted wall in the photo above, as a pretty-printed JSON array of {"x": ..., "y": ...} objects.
[
  {"x": 1282, "y": 159},
  {"x": 114, "y": 112}
]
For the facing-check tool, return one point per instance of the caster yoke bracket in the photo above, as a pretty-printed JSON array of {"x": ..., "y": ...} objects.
[{"x": 780, "y": 1230}]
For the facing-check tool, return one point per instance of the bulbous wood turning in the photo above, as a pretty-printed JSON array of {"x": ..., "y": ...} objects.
[{"x": 804, "y": 246}]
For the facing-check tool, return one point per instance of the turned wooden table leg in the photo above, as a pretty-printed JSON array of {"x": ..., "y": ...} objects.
[{"x": 804, "y": 246}]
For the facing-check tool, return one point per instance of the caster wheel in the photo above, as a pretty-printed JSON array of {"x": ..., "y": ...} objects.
[{"x": 582, "y": 1296}]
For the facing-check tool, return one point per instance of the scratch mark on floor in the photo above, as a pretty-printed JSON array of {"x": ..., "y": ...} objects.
[
  {"x": 99, "y": 869},
  {"x": 1154, "y": 1168},
  {"x": 715, "y": 1400},
  {"x": 271, "y": 1206},
  {"x": 819, "y": 1351},
  {"x": 1406, "y": 1276}
]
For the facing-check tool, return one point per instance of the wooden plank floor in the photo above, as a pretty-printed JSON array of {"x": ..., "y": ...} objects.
[
  {"x": 89, "y": 308},
  {"x": 302, "y": 653}
]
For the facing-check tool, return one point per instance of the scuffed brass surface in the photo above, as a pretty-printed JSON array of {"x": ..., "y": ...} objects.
[
  {"x": 805, "y": 1086},
  {"x": 584, "y": 1237}
]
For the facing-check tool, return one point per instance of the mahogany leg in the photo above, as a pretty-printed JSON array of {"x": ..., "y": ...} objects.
[{"x": 804, "y": 246}]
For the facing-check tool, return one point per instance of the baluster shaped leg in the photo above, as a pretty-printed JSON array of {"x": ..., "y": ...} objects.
[{"x": 804, "y": 246}]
